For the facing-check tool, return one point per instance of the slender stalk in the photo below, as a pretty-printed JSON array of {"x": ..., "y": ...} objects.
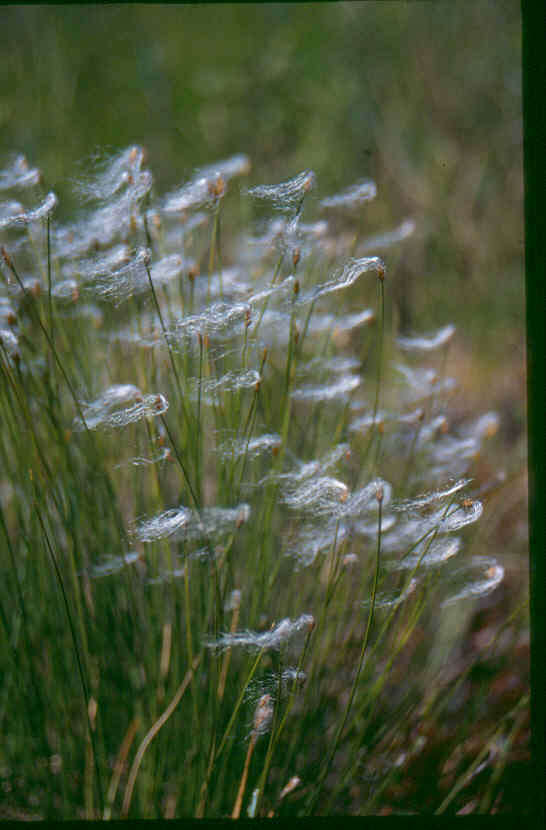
[
  {"x": 84, "y": 684},
  {"x": 465, "y": 778},
  {"x": 9, "y": 262},
  {"x": 169, "y": 349},
  {"x": 326, "y": 766},
  {"x": 239, "y": 800},
  {"x": 152, "y": 732},
  {"x": 119, "y": 767}
]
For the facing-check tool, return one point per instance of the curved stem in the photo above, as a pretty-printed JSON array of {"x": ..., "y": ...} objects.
[{"x": 150, "y": 735}]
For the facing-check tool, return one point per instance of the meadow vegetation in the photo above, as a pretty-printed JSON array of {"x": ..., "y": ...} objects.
[{"x": 240, "y": 513}]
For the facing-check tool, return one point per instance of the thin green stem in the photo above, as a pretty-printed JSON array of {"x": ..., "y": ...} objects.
[{"x": 326, "y": 766}]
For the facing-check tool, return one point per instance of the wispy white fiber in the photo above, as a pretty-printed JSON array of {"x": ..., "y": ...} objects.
[
  {"x": 428, "y": 342},
  {"x": 317, "y": 495},
  {"x": 19, "y": 174},
  {"x": 407, "y": 505},
  {"x": 352, "y": 197},
  {"x": 250, "y": 448},
  {"x": 120, "y": 405},
  {"x": 393, "y": 598},
  {"x": 108, "y": 175},
  {"x": 424, "y": 382},
  {"x": 321, "y": 322},
  {"x": 228, "y": 382},
  {"x": 255, "y": 641},
  {"x": 314, "y": 539},
  {"x": 113, "y": 564},
  {"x": 186, "y": 523},
  {"x": 142, "y": 461},
  {"x": 116, "y": 219},
  {"x": 483, "y": 427},
  {"x": 368, "y": 527},
  {"x": 438, "y": 552},
  {"x": 201, "y": 189},
  {"x": 285, "y": 195},
  {"x": 216, "y": 319},
  {"x": 343, "y": 278},
  {"x": 492, "y": 576},
  {"x": 328, "y": 391},
  {"x": 385, "y": 240},
  {"x": 27, "y": 216}
]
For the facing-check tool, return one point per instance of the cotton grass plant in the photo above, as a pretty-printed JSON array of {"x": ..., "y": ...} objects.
[{"x": 231, "y": 494}]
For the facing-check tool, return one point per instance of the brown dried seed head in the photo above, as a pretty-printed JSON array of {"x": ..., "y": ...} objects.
[
  {"x": 192, "y": 273},
  {"x": 6, "y": 257},
  {"x": 379, "y": 494},
  {"x": 296, "y": 256},
  {"x": 380, "y": 427},
  {"x": 296, "y": 287},
  {"x": 263, "y": 713},
  {"x": 216, "y": 188},
  {"x": 291, "y": 785},
  {"x": 36, "y": 289},
  {"x": 467, "y": 504},
  {"x": 92, "y": 711},
  {"x": 11, "y": 318},
  {"x": 275, "y": 450},
  {"x": 381, "y": 272},
  {"x": 444, "y": 427}
]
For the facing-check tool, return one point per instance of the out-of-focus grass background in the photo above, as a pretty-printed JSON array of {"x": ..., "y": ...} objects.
[{"x": 424, "y": 98}]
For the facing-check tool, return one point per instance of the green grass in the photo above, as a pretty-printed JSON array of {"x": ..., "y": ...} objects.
[{"x": 192, "y": 618}]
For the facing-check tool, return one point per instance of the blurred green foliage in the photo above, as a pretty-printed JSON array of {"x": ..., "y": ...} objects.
[{"x": 425, "y": 98}]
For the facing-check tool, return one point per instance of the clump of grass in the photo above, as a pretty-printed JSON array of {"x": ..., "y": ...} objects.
[{"x": 228, "y": 500}]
